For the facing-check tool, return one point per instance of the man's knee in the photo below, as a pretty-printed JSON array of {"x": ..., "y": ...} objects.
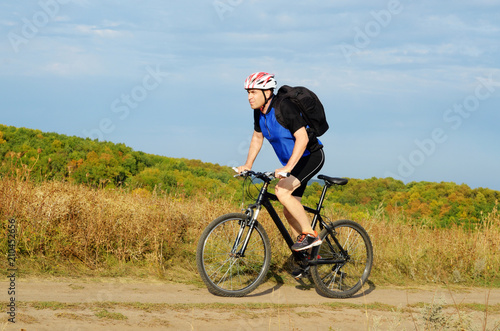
[
  {"x": 282, "y": 192},
  {"x": 285, "y": 187}
]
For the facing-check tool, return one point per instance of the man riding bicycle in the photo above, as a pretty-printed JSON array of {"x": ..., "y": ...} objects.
[{"x": 301, "y": 155}]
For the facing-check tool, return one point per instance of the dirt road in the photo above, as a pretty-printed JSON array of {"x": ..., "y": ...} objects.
[{"x": 72, "y": 305}]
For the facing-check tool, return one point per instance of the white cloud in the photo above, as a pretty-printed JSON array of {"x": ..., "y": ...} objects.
[
  {"x": 99, "y": 31},
  {"x": 427, "y": 58}
]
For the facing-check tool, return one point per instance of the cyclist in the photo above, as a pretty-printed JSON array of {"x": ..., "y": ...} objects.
[{"x": 300, "y": 154}]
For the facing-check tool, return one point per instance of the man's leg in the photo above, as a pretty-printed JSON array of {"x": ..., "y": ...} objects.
[
  {"x": 294, "y": 225},
  {"x": 294, "y": 211},
  {"x": 303, "y": 171}
]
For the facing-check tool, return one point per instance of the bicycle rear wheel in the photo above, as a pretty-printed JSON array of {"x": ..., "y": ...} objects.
[
  {"x": 224, "y": 271},
  {"x": 347, "y": 275}
]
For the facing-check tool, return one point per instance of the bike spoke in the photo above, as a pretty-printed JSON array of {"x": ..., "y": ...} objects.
[
  {"x": 217, "y": 271},
  {"x": 227, "y": 270},
  {"x": 343, "y": 279},
  {"x": 222, "y": 280}
]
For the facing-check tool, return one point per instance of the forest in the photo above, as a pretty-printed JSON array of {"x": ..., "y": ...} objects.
[{"x": 45, "y": 156}]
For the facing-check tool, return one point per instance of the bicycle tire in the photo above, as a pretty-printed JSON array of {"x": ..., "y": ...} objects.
[
  {"x": 226, "y": 275},
  {"x": 343, "y": 280}
]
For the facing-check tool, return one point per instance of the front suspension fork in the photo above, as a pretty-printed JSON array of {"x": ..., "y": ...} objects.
[{"x": 251, "y": 222}]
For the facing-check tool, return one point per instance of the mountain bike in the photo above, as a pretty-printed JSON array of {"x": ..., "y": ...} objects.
[{"x": 234, "y": 252}]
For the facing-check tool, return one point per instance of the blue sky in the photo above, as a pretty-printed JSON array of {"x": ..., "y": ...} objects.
[{"x": 411, "y": 88}]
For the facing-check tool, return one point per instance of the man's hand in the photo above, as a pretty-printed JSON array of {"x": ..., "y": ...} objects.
[
  {"x": 282, "y": 172},
  {"x": 242, "y": 168}
]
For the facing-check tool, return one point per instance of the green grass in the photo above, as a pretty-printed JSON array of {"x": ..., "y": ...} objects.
[{"x": 103, "y": 313}]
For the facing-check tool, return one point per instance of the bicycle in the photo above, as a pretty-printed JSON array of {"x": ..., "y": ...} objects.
[{"x": 234, "y": 253}]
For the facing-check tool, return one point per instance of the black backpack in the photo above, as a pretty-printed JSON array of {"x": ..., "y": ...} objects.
[{"x": 310, "y": 107}]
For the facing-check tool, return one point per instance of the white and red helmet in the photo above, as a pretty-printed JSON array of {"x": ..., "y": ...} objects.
[{"x": 260, "y": 81}]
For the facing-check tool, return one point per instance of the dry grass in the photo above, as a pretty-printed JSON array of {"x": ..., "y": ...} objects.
[
  {"x": 60, "y": 222},
  {"x": 73, "y": 229},
  {"x": 405, "y": 253}
]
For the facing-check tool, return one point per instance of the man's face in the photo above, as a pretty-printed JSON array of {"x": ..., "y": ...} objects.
[{"x": 256, "y": 98}]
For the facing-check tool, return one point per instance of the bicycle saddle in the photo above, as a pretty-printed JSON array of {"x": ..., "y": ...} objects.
[{"x": 333, "y": 180}]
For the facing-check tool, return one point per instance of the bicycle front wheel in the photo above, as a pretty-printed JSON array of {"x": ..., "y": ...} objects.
[
  {"x": 346, "y": 276},
  {"x": 225, "y": 270}
]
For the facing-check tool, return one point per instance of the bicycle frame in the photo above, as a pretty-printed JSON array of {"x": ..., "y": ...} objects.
[
  {"x": 264, "y": 199},
  {"x": 234, "y": 252}
]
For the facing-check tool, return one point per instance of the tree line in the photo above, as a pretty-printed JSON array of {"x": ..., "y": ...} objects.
[
  {"x": 42, "y": 156},
  {"x": 51, "y": 156}
]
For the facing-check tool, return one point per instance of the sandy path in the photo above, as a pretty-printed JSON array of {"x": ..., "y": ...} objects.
[{"x": 106, "y": 305}]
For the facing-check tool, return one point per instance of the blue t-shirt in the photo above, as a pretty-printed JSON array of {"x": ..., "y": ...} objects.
[{"x": 281, "y": 136}]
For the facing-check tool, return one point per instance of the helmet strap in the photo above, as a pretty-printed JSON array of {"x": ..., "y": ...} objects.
[{"x": 266, "y": 100}]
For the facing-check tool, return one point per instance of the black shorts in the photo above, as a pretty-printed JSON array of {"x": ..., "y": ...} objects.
[{"x": 306, "y": 168}]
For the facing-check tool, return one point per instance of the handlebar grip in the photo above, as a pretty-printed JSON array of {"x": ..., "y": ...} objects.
[{"x": 244, "y": 173}]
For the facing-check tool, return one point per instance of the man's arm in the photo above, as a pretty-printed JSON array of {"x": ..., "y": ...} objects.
[{"x": 253, "y": 151}]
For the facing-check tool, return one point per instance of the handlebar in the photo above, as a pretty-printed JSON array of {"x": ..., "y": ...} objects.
[{"x": 265, "y": 176}]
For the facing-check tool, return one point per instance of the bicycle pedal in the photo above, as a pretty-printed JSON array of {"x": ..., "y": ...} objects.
[{"x": 300, "y": 273}]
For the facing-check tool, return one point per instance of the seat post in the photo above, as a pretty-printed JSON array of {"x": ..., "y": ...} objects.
[
  {"x": 322, "y": 197},
  {"x": 320, "y": 205}
]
